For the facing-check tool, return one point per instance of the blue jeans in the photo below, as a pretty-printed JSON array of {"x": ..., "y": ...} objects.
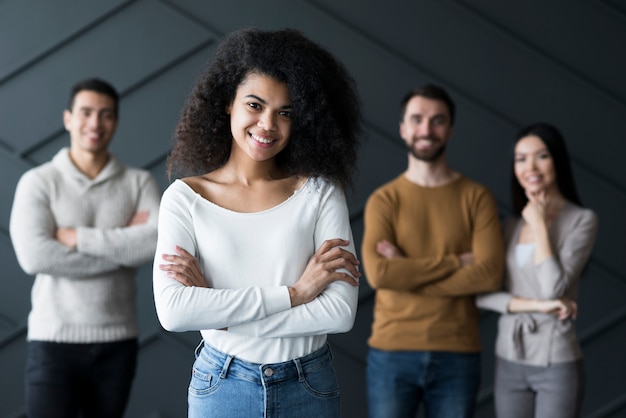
[
  {"x": 71, "y": 380},
  {"x": 398, "y": 382},
  {"x": 224, "y": 386}
]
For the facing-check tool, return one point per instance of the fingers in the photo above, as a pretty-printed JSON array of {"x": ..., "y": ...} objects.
[
  {"x": 183, "y": 267},
  {"x": 336, "y": 258},
  {"x": 139, "y": 218},
  {"x": 329, "y": 244},
  {"x": 388, "y": 250}
]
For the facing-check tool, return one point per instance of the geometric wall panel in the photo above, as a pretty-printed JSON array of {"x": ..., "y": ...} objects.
[{"x": 504, "y": 64}]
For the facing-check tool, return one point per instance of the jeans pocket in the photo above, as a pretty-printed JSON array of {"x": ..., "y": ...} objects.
[
  {"x": 203, "y": 382},
  {"x": 322, "y": 382}
]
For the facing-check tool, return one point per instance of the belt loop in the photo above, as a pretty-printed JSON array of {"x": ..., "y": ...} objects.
[
  {"x": 226, "y": 366},
  {"x": 300, "y": 371},
  {"x": 330, "y": 352},
  {"x": 196, "y": 352}
]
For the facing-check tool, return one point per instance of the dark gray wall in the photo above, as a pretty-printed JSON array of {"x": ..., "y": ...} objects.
[{"x": 505, "y": 63}]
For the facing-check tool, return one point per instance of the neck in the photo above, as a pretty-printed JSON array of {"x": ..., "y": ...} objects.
[
  {"x": 430, "y": 173},
  {"x": 249, "y": 174},
  {"x": 555, "y": 201},
  {"x": 89, "y": 163}
]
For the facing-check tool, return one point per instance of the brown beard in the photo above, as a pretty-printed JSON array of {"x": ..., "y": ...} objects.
[{"x": 436, "y": 154}]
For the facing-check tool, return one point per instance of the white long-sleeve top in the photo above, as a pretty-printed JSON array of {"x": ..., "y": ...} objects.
[
  {"x": 249, "y": 260},
  {"x": 84, "y": 294}
]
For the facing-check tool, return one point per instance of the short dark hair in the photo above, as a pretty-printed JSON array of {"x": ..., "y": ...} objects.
[
  {"x": 97, "y": 85},
  {"x": 326, "y": 118},
  {"x": 429, "y": 91},
  {"x": 554, "y": 141}
]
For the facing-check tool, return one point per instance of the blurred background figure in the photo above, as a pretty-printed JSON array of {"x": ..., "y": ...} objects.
[
  {"x": 431, "y": 242},
  {"x": 539, "y": 370},
  {"x": 82, "y": 223}
]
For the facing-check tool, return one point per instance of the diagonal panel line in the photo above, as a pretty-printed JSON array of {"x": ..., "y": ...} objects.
[
  {"x": 135, "y": 86},
  {"x": 538, "y": 51},
  {"x": 620, "y": 189},
  {"x": 64, "y": 42}
]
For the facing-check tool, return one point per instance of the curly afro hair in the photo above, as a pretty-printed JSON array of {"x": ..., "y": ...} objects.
[{"x": 326, "y": 118}]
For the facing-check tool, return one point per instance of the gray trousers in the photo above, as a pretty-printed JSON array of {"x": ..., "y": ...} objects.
[{"x": 523, "y": 391}]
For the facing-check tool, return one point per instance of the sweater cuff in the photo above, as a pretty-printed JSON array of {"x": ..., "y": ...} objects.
[
  {"x": 85, "y": 242},
  {"x": 276, "y": 299}
]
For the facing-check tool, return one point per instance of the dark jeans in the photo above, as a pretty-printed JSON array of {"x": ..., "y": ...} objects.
[
  {"x": 399, "y": 381},
  {"x": 79, "y": 380}
]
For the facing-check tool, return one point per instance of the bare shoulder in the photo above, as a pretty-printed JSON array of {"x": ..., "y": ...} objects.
[{"x": 204, "y": 185}]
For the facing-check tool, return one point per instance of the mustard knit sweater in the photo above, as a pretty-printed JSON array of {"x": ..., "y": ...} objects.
[{"x": 425, "y": 301}]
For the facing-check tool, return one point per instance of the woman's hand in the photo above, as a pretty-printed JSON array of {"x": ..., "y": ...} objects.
[
  {"x": 322, "y": 270},
  {"x": 184, "y": 268},
  {"x": 563, "y": 308},
  {"x": 535, "y": 211}
]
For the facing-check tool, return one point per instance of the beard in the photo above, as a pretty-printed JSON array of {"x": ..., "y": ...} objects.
[{"x": 427, "y": 155}]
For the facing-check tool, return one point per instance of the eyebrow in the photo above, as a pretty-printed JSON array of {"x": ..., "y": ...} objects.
[
  {"x": 436, "y": 115},
  {"x": 90, "y": 108},
  {"x": 289, "y": 106},
  {"x": 533, "y": 152}
]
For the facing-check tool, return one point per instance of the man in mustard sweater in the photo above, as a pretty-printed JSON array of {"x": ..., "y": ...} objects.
[{"x": 432, "y": 242}]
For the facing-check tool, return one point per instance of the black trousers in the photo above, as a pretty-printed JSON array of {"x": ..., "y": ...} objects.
[{"x": 79, "y": 380}]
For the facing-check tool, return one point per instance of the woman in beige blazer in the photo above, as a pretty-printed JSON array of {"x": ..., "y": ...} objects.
[{"x": 548, "y": 242}]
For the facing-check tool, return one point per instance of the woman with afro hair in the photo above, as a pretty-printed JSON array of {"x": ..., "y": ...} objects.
[{"x": 255, "y": 246}]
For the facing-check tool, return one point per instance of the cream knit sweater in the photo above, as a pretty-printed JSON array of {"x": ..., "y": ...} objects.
[{"x": 85, "y": 294}]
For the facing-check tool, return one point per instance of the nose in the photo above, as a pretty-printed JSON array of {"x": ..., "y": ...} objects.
[
  {"x": 267, "y": 121},
  {"x": 424, "y": 129},
  {"x": 94, "y": 120}
]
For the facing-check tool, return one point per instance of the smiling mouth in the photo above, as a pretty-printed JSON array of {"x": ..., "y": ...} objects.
[
  {"x": 424, "y": 143},
  {"x": 261, "y": 139},
  {"x": 533, "y": 179}
]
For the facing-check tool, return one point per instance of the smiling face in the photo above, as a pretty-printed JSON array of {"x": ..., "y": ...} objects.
[
  {"x": 260, "y": 117},
  {"x": 91, "y": 122},
  {"x": 534, "y": 167},
  {"x": 425, "y": 128}
]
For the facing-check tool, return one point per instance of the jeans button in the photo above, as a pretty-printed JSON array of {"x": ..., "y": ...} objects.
[{"x": 268, "y": 372}]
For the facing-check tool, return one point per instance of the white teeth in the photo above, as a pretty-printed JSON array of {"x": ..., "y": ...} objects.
[{"x": 261, "y": 140}]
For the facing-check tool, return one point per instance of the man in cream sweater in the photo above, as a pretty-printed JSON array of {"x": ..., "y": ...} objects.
[{"x": 82, "y": 224}]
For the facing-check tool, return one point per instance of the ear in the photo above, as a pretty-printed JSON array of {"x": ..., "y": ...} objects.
[
  {"x": 228, "y": 108},
  {"x": 67, "y": 116},
  {"x": 401, "y": 129}
]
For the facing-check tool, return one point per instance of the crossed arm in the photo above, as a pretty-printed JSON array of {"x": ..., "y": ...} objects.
[{"x": 44, "y": 248}]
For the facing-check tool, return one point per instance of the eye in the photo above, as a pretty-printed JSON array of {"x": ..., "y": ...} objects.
[
  {"x": 108, "y": 115},
  {"x": 285, "y": 113},
  {"x": 519, "y": 159},
  {"x": 439, "y": 121},
  {"x": 254, "y": 105},
  {"x": 544, "y": 156}
]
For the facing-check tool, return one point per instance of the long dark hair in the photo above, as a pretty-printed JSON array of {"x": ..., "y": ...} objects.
[
  {"x": 326, "y": 118},
  {"x": 554, "y": 141}
]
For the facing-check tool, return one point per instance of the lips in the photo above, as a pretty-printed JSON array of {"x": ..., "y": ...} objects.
[
  {"x": 533, "y": 179},
  {"x": 262, "y": 140}
]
